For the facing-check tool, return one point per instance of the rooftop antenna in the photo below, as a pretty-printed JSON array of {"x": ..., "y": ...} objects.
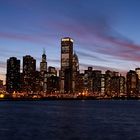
[{"x": 44, "y": 51}]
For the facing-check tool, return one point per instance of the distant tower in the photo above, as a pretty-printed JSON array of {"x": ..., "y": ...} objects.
[
  {"x": 43, "y": 64},
  {"x": 13, "y": 75},
  {"x": 66, "y": 65},
  {"x": 43, "y": 71},
  {"x": 29, "y": 70}
]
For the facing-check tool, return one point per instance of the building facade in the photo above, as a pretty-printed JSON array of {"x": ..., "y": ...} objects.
[
  {"x": 66, "y": 65},
  {"x": 29, "y": 72},
  {"x": 13, "y": 75},
  {"x": 43, "y": 72},
  {"x": 131, "y": 83},
  {"x": 75, "y": 69}
]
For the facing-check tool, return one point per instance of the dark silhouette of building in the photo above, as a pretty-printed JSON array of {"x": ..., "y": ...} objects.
[
  {"x": 38, "y": 78},
  {"x": 52, "y": 84},
  {"x": 115, "y": 86},
  {"x": 131, "y": 83},
  {"x": 97, "y": 81},
  {"x": 52, "y": 80},
  {"x": 52, "y": 71},
  {"x": 66, "y": 65},
  {"x": 13, "y": 75},
  {"x": 29, "y": 71},
  {"x": 138, "y": 85},
  {"x": 2, "y": 86},
  {"x": 88, "y": 80},
  {"x": 75, "y": 69},
  {"x": 80, "y": 87},
  {"x": 43, "y": 72}
]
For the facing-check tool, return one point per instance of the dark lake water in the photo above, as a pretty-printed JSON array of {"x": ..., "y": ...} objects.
[{"x": 69, "y": 120}]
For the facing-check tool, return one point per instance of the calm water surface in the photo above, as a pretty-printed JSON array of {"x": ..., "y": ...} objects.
[{"x": 70, "y": 120}]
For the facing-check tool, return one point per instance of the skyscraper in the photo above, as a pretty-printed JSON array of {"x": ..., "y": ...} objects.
[
  {"x": 88, "y": 80},
  {"x": 43, "y": 63},
  {"x": 97, "y": 81},
  {"x": 131, "y": 83},
  {"x": 13, "y": 75},
  {"x": 75, "y": 69},
  {"x": 29, "y": 70},
  {"x": 138, "y": 85},
  {"x": 43, "y": 72},
  {"x": 52, "y": 80},
  {"x": 66, "y": 65}
]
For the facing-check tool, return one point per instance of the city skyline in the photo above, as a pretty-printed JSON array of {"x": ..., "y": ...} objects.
[{"x": 105, "y": 33}]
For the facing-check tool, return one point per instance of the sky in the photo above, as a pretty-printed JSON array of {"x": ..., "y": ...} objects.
[{"x": 106, "y": 33}]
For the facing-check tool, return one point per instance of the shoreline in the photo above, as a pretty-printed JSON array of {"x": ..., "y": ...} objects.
[{"x": 59, "y": 99}]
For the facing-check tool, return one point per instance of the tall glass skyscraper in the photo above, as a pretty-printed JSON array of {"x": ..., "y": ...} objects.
[{"x": 66, "y": 65}]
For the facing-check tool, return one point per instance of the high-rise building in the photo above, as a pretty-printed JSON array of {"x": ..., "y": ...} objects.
[
  {"x": 43, "y": 72},
  {"x": 80, "y": 86},
  {"x": 103, "y": 84},
  {"x": 97, "y": 81},
  {"x": 108, "y": 81},
  {"x": 138, "y": 85},
  {"x": 66, "y": 65},
  {"x": 29, "y": 71},
  {"x": 122, "y": 85},
  {"x": 52, "y": 80},
  {"x": 131, "y": 83},
  {"x": 88, "y": 80},
  {"x": 115, "y": 86},
  {"x": 37, "y": 87},
  {"x": 75, "y": 70},
  {"x": 52, "y": 71},
  {"x": 13, "y": 75},
  {"x": 43, "y": 63}
]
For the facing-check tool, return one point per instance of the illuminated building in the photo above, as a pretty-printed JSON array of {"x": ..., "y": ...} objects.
[
  {"x": 102, "y": 84},
  {"x": 108, "y": 75},
  {"x": 88, "y": 80},
  {"x": 138, "y": 72},
  {"x": 108, "y": 82},
  {"x": 131, "y": 83},
  {"x": 29, "y": 70},
  {"x": 122, "y": 85},
  {"x": 66, "y": 65},
  {"x": 13, "y": 75},
  {"x": 1, "y": 85},
  {"x": 43, "y": 71},
  {"x": 138, "y": 85}
]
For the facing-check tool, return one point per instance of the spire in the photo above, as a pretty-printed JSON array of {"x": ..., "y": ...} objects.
[
  {"x": 44, "y": 51},
  {"x": 44, "y": 55}
]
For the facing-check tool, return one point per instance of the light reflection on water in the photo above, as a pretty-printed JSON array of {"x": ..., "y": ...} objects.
[{"x": 70, "y": 120}]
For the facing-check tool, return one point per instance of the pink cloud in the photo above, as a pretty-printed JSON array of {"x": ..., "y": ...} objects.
[{"x": 23, "y": 37}]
